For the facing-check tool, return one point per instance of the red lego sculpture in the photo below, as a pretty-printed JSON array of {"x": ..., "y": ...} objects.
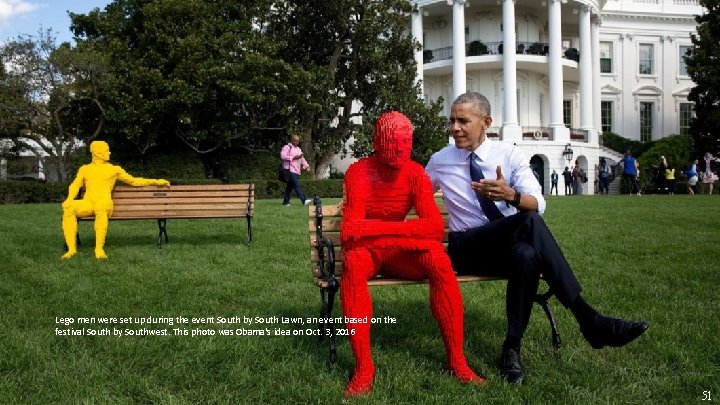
[{"x": 376, "y": 237}]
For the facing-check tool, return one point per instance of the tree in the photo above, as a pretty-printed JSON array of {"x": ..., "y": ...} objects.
[
  {"x": 703, "y": 65},
  {"x": 52, "y": 106},
  {"x": 213, "y": 76},
  {"x": 360, "y": 58},
  {"x": 190, "y": 74}
]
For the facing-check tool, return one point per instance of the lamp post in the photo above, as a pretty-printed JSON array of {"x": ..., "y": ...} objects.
[{"x": 568, "y": 153}]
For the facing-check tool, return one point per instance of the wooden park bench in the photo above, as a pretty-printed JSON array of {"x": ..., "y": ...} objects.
[
  {"x": 183, "y": 202},
  {"x": 327, "y": 267}
]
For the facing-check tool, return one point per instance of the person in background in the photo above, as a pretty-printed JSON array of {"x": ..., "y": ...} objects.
[
  {"x": 660, "y": 183},
  {"x": 604, "y": 176},
  {"x": 670, "y": 178},
  {"x": 707, "y": 168},
  {"x": 567, "y": 177},
  {"x": 494, "y": 206},
  {"x": 294, "y": 160},
  {"x": 631, "y": 170},
  {"x": 692, "y": 176},
  {"x": 577, "y": 179},
  {"x": 554, "y": 182}
]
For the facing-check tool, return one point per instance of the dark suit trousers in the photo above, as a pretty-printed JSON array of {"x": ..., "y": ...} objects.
[{"x": 521, "y": 248}]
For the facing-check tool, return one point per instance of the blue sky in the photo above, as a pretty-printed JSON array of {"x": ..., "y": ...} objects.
[{"x": 27, "y": 16}]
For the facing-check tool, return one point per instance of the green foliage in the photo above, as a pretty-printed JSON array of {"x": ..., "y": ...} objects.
[
  {"x": 189, "y": 74},
  {"x": 704, "y": 70},
  {"x": 359, "y": 56},
  {"x": 326, "y": 188},
  {"x": 239, "y": 167},
  {"x": 50, "y": 98},
  {"x": 677, "y": 150},
  {"x": 23, "y": 192},
  {"x": 621, "y": 144},
  {"x": 176, "y": 166}
]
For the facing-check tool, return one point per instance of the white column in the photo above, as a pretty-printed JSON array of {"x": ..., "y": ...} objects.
[
  {"x": 511, "y": 130},
  {"x": 555, "y": 74},
  {"x": 586, "y": 88},
  {"x": 458, "y": 28},
  {"x": 597, "y": 119},
  {"x": 416, "y": 24}
]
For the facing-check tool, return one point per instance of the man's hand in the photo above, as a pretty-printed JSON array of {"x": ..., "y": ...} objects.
[{"x": 495, "y": 190}]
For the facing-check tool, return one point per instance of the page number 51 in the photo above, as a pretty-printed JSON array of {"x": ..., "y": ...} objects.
[{"x": 706, "y": 396}]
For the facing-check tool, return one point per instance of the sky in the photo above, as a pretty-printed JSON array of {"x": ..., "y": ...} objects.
[{"x": 28, "y": 16}]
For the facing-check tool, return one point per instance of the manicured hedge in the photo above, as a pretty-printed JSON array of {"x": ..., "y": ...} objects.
[{"x": 22, "y": 192}]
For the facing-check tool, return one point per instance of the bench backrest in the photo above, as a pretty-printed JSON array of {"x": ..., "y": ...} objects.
[{"x": 184, "y": 201}]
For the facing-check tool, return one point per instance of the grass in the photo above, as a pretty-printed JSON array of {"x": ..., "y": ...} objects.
[{"x": 651, "y": 257}]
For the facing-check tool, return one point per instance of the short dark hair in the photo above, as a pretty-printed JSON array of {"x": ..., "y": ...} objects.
[{"x": 480, "y": 101}]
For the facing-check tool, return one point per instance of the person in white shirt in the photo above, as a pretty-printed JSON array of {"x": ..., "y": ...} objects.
[{"x": 494, "y": 203}]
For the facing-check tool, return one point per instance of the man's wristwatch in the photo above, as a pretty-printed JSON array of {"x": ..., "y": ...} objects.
[{"x": 516, "y": 200}]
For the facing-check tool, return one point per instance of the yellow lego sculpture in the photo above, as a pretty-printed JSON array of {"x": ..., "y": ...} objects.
[{"x": 98, "y": 178}]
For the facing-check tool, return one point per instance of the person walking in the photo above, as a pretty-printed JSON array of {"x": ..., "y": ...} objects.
[
  {"x": 294, "y": 161},
  {"x": 630, "y": 170},
  {"x": 692, "y": 177}
]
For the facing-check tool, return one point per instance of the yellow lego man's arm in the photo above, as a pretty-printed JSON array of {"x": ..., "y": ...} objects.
[
  {"x": 139, "y": 181},
  {"x": 75, "y": 187}
]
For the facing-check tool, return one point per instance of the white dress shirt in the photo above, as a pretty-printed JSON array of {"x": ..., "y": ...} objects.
[{"x": 449, "y": 171}]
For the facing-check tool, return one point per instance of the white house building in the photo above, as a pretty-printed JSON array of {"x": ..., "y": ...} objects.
[{"x": 564, "y": 72}]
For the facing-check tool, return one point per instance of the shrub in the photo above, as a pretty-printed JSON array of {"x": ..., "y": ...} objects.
[
  {"x": 175, "y": 166},
  {"x": 22, "y": 192}
]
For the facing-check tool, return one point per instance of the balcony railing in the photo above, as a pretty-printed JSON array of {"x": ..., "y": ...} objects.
[{"x": 479, "y": 48}]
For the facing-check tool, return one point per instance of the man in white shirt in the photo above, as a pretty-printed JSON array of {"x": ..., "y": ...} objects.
[{"x": 494, "y": 202}]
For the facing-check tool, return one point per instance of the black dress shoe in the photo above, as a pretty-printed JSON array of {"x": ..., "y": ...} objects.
[
  {"x": 510, "y": 367},
  {"x": 612, "y": 332}
]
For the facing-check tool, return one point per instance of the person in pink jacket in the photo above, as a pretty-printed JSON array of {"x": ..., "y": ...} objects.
[{"x": 294, "y": 160}]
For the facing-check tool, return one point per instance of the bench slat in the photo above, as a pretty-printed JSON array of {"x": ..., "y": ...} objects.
[
  {"x": 119, "y": 195},
  {"x": 187, "y": 187},
  {"x": 183, "y": 207},
  {"x": 386, "y": 281},
  {"x": 183, "y": 200}
]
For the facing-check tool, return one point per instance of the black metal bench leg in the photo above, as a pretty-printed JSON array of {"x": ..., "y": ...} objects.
[
  {"x": 249, "y": 238},
  {"x": 333, "y": 285},
  {"x": 162, "y": 234},
  {"x": 323, "y": 313},
  {"x": 542, "y": 300}
]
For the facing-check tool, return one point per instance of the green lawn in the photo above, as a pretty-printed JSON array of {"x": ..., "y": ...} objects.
[{"x": 651, "y": 257}]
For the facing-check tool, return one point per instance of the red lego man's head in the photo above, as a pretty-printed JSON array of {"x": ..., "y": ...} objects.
[{"x": 393, "y": 139}]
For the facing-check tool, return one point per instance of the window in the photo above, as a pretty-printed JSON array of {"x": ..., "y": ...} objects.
[
  {"x": 686, "y": 114},
  {"x": 646, "y": 59},
  {"x": 567, "y": 113},
  {"x": 605, "y": 57},
  {"x": 606, "y": 115},
  {"x": 646, "y": 121},
  {"x": 681, "y": 57}
]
